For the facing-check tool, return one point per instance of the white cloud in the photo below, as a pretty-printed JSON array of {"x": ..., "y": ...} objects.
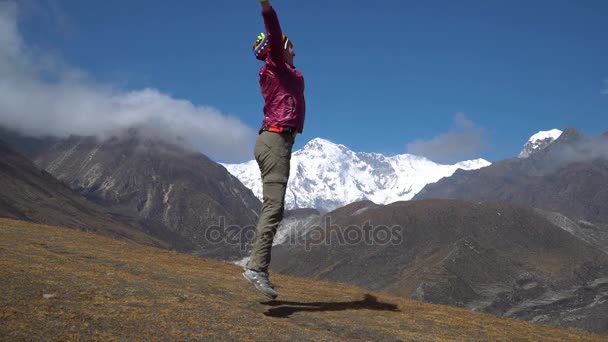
[
  {"x": 41, "y": 95},
  {"x": 464, "y": 140}
]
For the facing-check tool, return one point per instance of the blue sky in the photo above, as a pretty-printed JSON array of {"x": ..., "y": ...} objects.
[{"x": 383, "y": 76}]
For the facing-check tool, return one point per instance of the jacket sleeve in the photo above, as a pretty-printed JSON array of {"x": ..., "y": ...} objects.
[{"x": 275, "y": 36}]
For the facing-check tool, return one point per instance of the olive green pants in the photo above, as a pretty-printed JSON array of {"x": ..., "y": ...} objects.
[{"x": 273, "y": 154}]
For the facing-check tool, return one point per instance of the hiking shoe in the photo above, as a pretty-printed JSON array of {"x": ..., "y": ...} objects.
[
  {"x": 261, "y": 282},
  {"x": 267, "y": 277}
]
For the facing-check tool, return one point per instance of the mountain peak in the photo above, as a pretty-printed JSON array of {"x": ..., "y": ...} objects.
[
  {"x": 323, "y": 147},
  {"x": 317, "y": 143},
  {"x": 325, "y": 175},
  {"x": 539, "y": 141},
  {"x": 552, "y": 133}
]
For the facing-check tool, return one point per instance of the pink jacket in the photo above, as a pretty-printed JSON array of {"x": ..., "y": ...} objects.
[{"x": 281, "y": 84}]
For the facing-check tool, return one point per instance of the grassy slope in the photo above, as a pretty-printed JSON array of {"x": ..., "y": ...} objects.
[{"x": 110, "y": 289}]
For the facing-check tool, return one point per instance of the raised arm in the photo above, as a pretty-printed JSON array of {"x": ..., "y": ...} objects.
[{"x": 274, "y": 32}]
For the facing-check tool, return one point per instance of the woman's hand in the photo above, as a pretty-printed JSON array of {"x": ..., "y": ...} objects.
[{"x": 265, "y": 5}]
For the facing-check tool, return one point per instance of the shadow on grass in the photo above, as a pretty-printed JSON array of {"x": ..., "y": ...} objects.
[{"x": 285, "y": 308}]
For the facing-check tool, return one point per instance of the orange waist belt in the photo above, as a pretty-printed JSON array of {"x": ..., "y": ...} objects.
[
  {"x": 280, "y": 129},
  {"x": 276, "y": 129}
]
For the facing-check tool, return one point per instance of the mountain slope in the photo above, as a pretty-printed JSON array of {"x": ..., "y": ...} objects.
[
  {"x": 27, "y": 146},
  {"x": 177, "y": 194},
  {"x": 68, "y": 285},
  {"x": 569, "y": 176},
  {"x": 494, "y": 257},
  {"x": 29, "y": 193},
  {"x": 593, "y": 233},
  {"x": 326, "y": 176}
]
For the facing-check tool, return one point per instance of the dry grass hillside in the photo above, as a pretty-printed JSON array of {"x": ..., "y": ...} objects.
[{"x": 64, "y": 284}]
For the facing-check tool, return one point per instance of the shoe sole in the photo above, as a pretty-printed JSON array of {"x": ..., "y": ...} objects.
[{"x": 257, "y": 288}]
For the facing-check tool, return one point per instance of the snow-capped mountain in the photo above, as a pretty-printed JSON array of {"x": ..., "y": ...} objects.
[
  {"x": 539, "y": 141},
  {"x": 325, "y": 176}
]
